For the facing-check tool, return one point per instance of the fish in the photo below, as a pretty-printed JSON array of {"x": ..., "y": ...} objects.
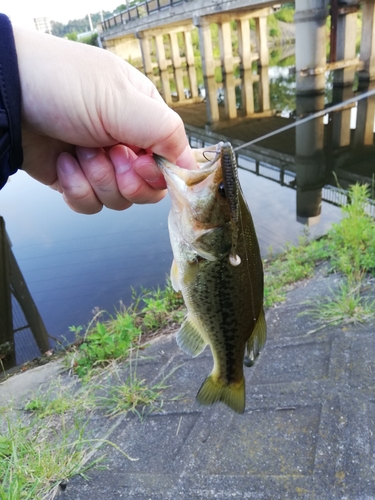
[{"x": 218, "y": 268}]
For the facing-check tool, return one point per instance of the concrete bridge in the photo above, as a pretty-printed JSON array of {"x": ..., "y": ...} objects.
[{"x": 166, "y": 26}]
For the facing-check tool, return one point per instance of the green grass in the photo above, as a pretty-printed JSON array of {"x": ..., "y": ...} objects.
[
  {"x": 134, "y": 396},
  {"x": 295, "y": 264},
  {"x": 286, "y": 13},
  {"x": 346, "y": 305},
  {"x": 112, "y": 338},
  {"x": 48, "y": 440},
  {"x": 35, "y": 459},
  {"x": 349, "y": 249}
]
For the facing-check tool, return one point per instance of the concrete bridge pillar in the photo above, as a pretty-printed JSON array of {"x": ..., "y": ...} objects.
[
  {"x": 212, "y": 105},
  {"x": 264, "y": 89},
  {"x": 244, "y": 43},
  {"x": 189, "y": 51},
  {"x": 205, "y": 43},
  {"x": 364, "y": 131},
  {"x": 190, "y": 62},
  {"x": 225, "y": 42},
  {"x": 346, "y": 34},
  {"x": 229, "y": 96},
  {"x": 179, "y": 79},
  {"x": 310, "y": 20},
  {"x": 160, "y": 52},
  {"x": 144, "y": 41},
  {"x": 368, "y": 41},
  {"x": 175, "y": 50},
  {"x": 262, "y": 39},
  {"x": 247, "y": 92},
  {"x": 309, "y": 160},
  {"x": 341, "y": 119},
  {"x": 165, "y": 86}
]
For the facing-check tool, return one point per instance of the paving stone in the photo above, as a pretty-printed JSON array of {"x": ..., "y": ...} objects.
[{"x": 308, "y": 431}]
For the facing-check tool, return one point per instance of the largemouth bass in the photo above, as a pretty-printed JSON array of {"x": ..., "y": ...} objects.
[{"x": 218, "y": 268}]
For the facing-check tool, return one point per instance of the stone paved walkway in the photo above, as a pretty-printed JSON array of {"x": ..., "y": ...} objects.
[{"x": 308, "y": 431}]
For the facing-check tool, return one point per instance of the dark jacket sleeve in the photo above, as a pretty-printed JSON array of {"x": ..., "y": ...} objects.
[{"x": 11, "y": 155}]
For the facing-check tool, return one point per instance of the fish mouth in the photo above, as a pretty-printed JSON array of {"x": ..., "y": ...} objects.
[{"x": 190, "y": 177}]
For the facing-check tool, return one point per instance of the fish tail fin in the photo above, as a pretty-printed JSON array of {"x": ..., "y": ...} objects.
[{"x": 233, "y": 395}]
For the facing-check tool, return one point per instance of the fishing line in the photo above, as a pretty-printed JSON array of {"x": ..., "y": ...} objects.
[{"x": 318, "y": 114}]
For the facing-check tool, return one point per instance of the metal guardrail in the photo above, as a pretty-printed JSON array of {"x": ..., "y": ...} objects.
[
  {"x": 141, "y": 9},
  {"x": 331, "y": 194}
]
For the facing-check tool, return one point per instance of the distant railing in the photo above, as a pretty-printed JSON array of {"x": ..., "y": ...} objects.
[
  {"x": 139, "y": 10},
  {"x": 331, "y": 194}
]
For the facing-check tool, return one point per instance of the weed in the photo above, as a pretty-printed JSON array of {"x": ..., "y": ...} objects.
[
  {"x": 113, "y": 338},
  {"x": 345, "y": 306},
  {"x": 351, "y": 243},
  {"x": 133, "y": 396},
  {"x": 33, "y": 461},
  {"x": 350, "y": 248},
  {"x": 104, "y": 342},
  {"x": 161, "y": 306},
  {"x": 297, "y": 263}
]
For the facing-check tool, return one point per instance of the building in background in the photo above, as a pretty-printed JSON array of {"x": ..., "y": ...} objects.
[{"x": 43, "y": 24}]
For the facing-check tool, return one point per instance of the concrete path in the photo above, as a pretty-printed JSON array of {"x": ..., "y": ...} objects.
[{"x": 308, "y": 431}]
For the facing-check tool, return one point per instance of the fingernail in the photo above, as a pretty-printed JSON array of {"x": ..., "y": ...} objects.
[
  {"x": 66, "y": 164},
  {"x": 86, "y": 153},
  {"x": 150, "y": 172}
]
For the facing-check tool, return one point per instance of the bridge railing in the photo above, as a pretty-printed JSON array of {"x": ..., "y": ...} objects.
[{"x": 141, "y": 9}]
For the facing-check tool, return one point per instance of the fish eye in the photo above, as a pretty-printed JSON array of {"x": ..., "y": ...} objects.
[{"x": 221, "y": 190}]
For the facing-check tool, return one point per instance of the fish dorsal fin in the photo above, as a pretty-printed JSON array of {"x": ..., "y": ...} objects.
[
  {"x": 175, "y": 282},
  {"x": 213, "y": 390},
  {"x": 189, "y": 338},
  {"x": 257, "y": 340}
]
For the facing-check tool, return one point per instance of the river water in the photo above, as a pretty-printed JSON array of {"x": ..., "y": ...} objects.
[{"x": 75, "y": 263}]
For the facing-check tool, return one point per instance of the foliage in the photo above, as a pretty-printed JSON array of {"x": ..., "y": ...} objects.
[
  {"x": 78, "y": 25},
  {"x": 90, "y": 40},
  {"x": 273, "y": 26},
  {"x": 160, "y": 307},
  {"x": 346, "y": 305},
  {"x": 286, "y": 13},
  {"x": 45, "y": 408},
  {"x": 133, "y": 396},
  {"x": 123, "y": 6},
  {"x": 350, "y": 249},
  {"x": 104, "y": 342},
  {"x": 297, "y": 263},
  {"x": 351, "y": 243},
  {"x": 34, "y": 460},
  {"x": 113, "y": 339},
  {"x": 282, "y": 93}
]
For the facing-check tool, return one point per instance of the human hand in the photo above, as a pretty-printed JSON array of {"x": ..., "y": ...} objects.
[{"x": 91, "y": 122}]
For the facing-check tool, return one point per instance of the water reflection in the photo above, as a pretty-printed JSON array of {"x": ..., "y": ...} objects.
[
  {"x": 74, "y": 263},
  {"x": 22, "y": 331}
]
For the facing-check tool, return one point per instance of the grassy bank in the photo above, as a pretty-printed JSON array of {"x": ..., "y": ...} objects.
[
  {"x": 47, "y": 439},
  {"x": 348, "y": 250}
]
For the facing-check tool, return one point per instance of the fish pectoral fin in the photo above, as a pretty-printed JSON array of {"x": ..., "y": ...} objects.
[
  {"x": 175, "y": 282},
  {"x": 190, "y": 339},
  {"x": 233, "y": 395},
  {"x": 257, "y": 340}
]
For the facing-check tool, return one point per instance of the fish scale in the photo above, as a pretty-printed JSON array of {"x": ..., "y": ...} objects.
[{"x": 218, "y": 268}]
